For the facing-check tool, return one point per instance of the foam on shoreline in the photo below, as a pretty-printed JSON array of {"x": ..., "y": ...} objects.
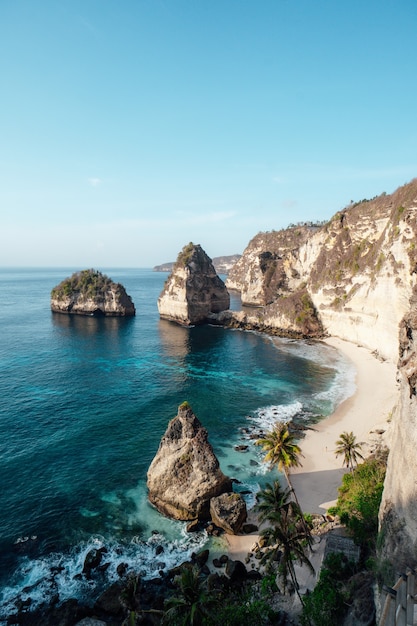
[{"x": 365, "y": 412}]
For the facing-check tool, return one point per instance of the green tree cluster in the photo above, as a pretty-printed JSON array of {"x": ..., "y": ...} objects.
[
  {"x": 285, "y": 537},
  {"x": 327, "y": 604},
  {"x": 359, "y": 500}
]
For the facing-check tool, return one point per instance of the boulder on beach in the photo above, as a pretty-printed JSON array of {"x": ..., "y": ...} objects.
[{"x": 228, "y": 511}]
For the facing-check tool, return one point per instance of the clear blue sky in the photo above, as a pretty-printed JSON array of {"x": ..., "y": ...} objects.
[{"x": 129, "y": 128}]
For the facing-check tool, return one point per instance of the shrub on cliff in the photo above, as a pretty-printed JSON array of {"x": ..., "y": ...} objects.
[{"x": 359, "y": 500}]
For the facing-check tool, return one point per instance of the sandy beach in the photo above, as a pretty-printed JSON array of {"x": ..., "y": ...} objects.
[{"x": 366, "y": 413}]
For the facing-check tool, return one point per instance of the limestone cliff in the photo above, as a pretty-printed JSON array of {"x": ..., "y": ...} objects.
[
  {"x": 90, "y": 292},
  {"x": 193, "y": 290},
  {"x": 398, "y": 513},
  {"x": 358, "y": 271},
  {"x": 185, "y": 474}
]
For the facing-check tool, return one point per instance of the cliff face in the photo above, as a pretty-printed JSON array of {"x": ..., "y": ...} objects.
[
  {"x": 360, "y": 273},
  {"x": 398, "y": 513},
  {"x": 358, "y": 270},
  {"x": 193, "y": 290},
  {"x": 91, "y": 293}
]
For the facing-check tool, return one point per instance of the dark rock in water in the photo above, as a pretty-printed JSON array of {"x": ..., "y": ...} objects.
[
  {"x": 158, "y": 550},
  {"x": 253, "y": 463},
  {"x": 216, "y": 563},
  {"x": 223, "y": 559},
  {"x": 185, "y": 472},
  {"x": 228, "y": 511},
  {"x": 91, "y": 293},
  {"x": 122, "y": 569},
  {"x": 26, "y": 545},
  {"x": 65, "y": 614},
  {"x": 93, "y": 560},
  {"x": 213, "y": 530},
  {"x": 200, "y": 558},
  {"x": 193, "y": 526},
  {"x": 241, "y": 448}
]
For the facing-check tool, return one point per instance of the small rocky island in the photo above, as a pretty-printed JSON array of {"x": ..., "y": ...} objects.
[
  {"x": 185, "y": 479},
  {"x": 193, "y": 290},
  {"x": 90, "y": 292}
]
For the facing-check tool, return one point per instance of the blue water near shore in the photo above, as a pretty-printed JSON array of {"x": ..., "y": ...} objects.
[{"x": 84, "y": 402}]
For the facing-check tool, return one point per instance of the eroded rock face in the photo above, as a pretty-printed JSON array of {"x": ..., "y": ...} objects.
[
  {"x": 358, "y": 269},
  {"x": 91, "y": 293},
  {"x": 228, "y": 511},
  {"x": 398, "y": 513},
  {"x": 185, "y": 473},
  {"x": 193, "y": 290}
]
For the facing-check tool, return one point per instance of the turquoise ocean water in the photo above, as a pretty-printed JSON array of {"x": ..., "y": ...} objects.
[{"x": 83, "y": 404}]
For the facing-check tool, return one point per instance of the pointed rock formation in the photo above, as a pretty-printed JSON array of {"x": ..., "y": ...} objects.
[
  {"x": 193, "y": 290},
  {"x": 91, "y": 293},
  {"x": 185, "y": 472}
]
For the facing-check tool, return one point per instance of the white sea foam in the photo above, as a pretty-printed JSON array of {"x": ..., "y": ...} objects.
[
  {"x": 343, "y": 385},
  {"x": 41, "y": 579},
  {"x": 265, "y": 418}
]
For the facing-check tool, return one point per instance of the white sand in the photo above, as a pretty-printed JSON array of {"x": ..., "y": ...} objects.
[{"x": 367, "y": 411}]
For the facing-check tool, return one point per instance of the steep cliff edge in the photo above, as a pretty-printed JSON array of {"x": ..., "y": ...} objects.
[
  {"x": 398, "y": 513},
  {"x": 358, "y": 271},
  {"x": 193, "y": 290},
  {"x": 90, "y": 292}
]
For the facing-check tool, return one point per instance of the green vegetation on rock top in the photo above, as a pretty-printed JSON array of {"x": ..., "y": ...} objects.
[{"x": 90, "y": 283}]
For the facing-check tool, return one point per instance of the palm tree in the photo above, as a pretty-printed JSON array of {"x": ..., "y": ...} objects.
[
  {"x": 191, "y": 606},
  {"x": 282, "y": 451},
  {"x": 348, "y": 447},
  {"x": 270, "y": 500},
  {"x": 286, "y": 541}
]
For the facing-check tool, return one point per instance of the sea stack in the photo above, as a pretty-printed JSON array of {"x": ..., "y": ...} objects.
[
  {"x": 193, "y": 290},
  {"x": 185, "y": 473},
  {"x": 90, "y": 292}
]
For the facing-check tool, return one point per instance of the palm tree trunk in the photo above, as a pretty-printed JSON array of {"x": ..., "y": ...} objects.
[{"x": 306, "y": 529}]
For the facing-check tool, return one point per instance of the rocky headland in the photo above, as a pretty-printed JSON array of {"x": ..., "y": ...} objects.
[
  {"x": 193, "y": 290},
  {"x": 90, "y": 292},
  {"x": 353, "y": 278}
]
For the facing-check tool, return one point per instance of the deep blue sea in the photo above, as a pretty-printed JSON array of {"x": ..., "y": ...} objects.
[{"x": 84, "y": 402}]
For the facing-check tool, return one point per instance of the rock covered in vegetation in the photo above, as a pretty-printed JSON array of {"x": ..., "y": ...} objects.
[
  {"x": 193, "y": 290},
  {"x": 90, "y": 292},
  {"x": 222, "y": 264},
  {"x": 185, "y": 473},
  {"x": 228, "y": 511}
]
